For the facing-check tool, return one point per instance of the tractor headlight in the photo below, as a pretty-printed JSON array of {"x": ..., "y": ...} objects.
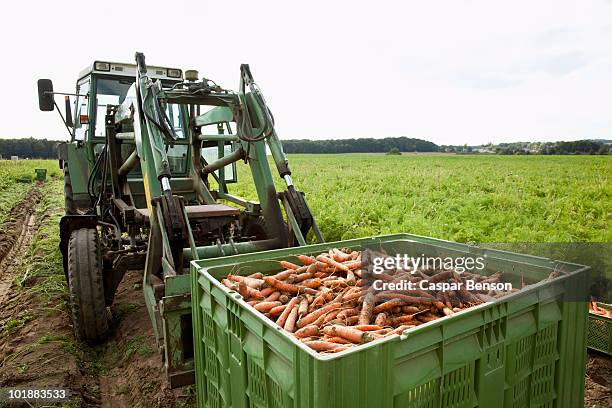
[
  {"x": 102, "y": 66},
  {"x": 174, "y": 73}
]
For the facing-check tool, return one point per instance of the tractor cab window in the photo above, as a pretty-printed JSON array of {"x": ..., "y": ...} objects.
[
  {"x": 108, "y": 92},
  {"x": 81, "y": 122}
]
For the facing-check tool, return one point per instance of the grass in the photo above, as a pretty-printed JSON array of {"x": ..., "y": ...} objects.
[
  {"x": 137, "y": 345},
  {"x": 11, "y": 172},
  {"x": 459, "y": 198}
]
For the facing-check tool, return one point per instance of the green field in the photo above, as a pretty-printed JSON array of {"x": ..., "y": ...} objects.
[
  {"x": 13, "y": 171},
  {"x": 459, "y": 198}
]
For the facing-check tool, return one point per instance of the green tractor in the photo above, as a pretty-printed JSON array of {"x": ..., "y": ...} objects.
[{"x": 152, "y": 152}]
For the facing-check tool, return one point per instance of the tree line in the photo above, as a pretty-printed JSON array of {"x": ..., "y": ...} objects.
[
  {"x": 365, "y": 145},
  {"x": 29, "y": 148}
]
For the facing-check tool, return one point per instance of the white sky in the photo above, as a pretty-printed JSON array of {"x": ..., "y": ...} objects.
[{"x": 452, "y": 72}]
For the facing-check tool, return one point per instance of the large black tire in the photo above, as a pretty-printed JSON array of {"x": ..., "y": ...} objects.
[
  {"x": 90, "y": 317},
  {"x": 68, "y": 196}
]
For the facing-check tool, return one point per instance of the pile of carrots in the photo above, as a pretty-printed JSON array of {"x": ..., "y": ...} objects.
[
  {"x": 594, "y": 308},
  {"x": 326, "y": 304}
]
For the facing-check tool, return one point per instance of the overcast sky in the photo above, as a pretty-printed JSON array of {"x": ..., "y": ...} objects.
[{"x": 452, "y": 72}]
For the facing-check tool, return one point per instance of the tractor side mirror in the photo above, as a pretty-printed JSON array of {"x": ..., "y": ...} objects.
[{"x": 45, "y": 95}]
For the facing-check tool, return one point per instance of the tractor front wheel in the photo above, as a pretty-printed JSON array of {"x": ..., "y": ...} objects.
[{"x": 90, "y": 317}]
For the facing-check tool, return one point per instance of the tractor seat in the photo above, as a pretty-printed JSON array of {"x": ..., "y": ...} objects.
[{"x": 201, "y": 211}]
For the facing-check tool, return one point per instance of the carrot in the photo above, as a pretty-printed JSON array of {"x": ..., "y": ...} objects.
[
  {"x": 354, "y": 295},
  {"x": 283, "y": 317},
  {"x": 366, "y": 309},
  {"x": 349, "y": 333},
  {"x": 290, "y": 323},
  {"x": 275, "y": 311},
  {"x": 339, "y": 340},
  {"x": 353, "y": 264},
  {"x": 265, "y": 307},
  {"x": 381, "y": 319},
  {"x": 229, "y": 284},
  {"x": 350, "y": 278},
  {"x": 307, "y": 331},
  {"x": 299, "y": 277},
  {"x": 311, "y": 317},
  {"x": 312, "y": 283},
  {"x": 273, "y": 296},
  {"x": 332, "y": 263},
  {"x": 340, "y": 256},
  {"x": 390, "y": 304},
  {"x": 306, "y": 260},
  {"x": 402, "y": 319},
  {"x": 265, "y": 292},
  {"x": 248, "y": 292},
  {"x": 303, "y": 308},
  {"x": 368, "y": 327},
  {"x": 401, "y": 329},
  {"x": 288, "y": 265},
  {"x": 282, "y": 286},
  {"x": 319, "y": 345},
  {"x": 252, "y": 282},
  {"x": 351, "y": 320},
  {"x": 349, "y": 312}
]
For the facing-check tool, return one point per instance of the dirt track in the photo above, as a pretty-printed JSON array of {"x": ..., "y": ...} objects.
[{"x": 37, "y": 347}]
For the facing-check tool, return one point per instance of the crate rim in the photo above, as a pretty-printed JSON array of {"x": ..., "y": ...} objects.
[{"x": 202, "y": 271}]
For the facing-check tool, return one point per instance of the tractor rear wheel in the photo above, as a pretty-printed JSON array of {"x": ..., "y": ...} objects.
[
  {"x": 90, "y": 317},
  {"x": 68, "y": 196}
]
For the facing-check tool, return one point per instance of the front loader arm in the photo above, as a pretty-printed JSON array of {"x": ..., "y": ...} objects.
[{"x": 257, "y": 124}]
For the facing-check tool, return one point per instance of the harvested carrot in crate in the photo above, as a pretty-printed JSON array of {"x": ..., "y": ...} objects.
[{"x": 324, "y": 302}]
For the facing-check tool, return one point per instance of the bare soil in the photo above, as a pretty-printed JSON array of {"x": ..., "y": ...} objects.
[
  {"x": 598, "y": 381},
  {"x": 37, "y": 346}
]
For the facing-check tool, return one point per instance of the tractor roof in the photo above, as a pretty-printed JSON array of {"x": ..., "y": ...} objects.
[{"x": 122, "y": 69}]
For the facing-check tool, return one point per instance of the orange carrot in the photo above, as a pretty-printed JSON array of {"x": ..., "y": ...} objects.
[
  {"x": 367, "y": 327},
  {"x": 288, "y": 265},
  {"x": 311, "y": 317},
  {"x": 307, "y": 331},
  {"x": 265, "y": 307},
  {"x": 349, "y": 333},
  {"x": 290, "y": 323},
  {"x": 381, "y": 319},
  {"x": 275, "y": 311},
  {"x": 303, "y": 308},
  {"x": 248, "y": 292},
  {"x": 320, "y": 345},
  {"x": 272, "y": 297},
  {"x": 265, "y": 292},
  {"x": 306, "y": 260},
  {"x": 251, "y": 282},
  {"x": 332, "y": 263},
  {"x": 366, "y": 309},
  {"x": 283, "y": 317}
]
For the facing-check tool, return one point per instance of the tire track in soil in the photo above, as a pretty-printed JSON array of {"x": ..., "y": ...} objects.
[{"x": 15, "y": 237}]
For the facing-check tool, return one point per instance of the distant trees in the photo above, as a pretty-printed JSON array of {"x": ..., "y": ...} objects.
[
  {"x": 575, "y": 147},
  {"x": 366, "y": 145},
  {"x": 29, "y": 148}
]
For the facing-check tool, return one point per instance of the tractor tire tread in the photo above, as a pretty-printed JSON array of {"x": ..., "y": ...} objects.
[{"x": 89, "y": 314}]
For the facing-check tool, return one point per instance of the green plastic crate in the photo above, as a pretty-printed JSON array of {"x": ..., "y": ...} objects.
[
  {"x": 524, "y": 350},
  {"x": 599, "y": 336}
]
